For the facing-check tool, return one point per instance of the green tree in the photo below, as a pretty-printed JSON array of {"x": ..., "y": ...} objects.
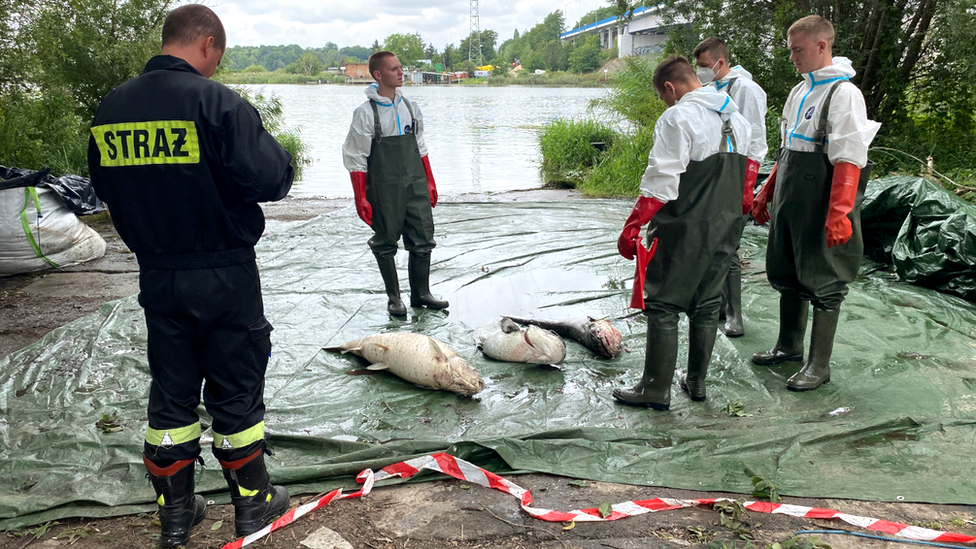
[
  {"x": 488, "y": 40},
  {"x": 308, "y": 64},
  {"x": 375, "y": 47},
  {"x": 887, "y": 41},
  {"x": 90, "y": 48},
  {"x": 407, "y": 47},
  {"x": 586, "y": 56}
]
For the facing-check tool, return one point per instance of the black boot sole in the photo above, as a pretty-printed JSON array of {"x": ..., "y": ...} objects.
[
  {"x": 417, "y": 305},
  {"x": 653, "y": 405},
  {"x": 775, "y": 361},
  {"x": 802, "y": 389},
  {"x": 177, "y": 541},
  {"x": 695, "y": 398}
]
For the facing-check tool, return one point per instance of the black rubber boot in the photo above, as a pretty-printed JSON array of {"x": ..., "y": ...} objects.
[
  {"x": 792, "y": 326},
  {"x": 733, "y": 301},
  {"x": 418, "y": 268},
  {"x": 257, "y": 503},
  {"x": 701, "y": 341},
  {"x": 389, "y": 272},
  {"x": 179, "y": 508},
  {"x": 654, "y": 389},
  {"x": 816, "y": 370}
]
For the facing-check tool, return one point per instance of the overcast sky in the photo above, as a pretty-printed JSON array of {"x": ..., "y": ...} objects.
[{"x": 312, "y": 23}]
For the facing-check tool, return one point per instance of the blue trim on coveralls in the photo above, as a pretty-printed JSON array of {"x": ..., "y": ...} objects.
[
  {"x": 726, "y": 104},
  {"x": 799, "y": 112}
]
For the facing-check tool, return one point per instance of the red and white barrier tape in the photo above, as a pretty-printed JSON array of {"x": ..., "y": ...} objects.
[{"x": 460, "y": 469}]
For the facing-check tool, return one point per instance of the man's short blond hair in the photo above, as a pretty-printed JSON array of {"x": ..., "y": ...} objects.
[{"x": 815, "y": 27}]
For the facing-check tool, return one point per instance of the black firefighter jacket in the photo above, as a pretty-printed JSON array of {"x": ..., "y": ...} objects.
[{"x": 182, "y": 162}]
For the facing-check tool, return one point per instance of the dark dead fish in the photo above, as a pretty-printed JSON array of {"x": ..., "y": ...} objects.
[{"x": 598, "y": 335}]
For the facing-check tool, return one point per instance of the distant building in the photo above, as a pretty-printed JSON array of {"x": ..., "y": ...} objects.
[
  {"x": 357, "y": 70},
  {"x": 645, "y": 33}
]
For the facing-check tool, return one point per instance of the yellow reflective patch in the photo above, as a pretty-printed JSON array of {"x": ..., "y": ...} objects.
[
  {"x": 241, "y": 439},
  {"x": 167, "y": 438},
  {"x": 247, "y": 493},
  {"x": 146, "y": 143},
  {"x": 161, "y": 501},
  {"x": 269, "y": 497}
]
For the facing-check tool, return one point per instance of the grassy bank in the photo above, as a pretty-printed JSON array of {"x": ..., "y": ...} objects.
[{"x": 614, "y": 171}]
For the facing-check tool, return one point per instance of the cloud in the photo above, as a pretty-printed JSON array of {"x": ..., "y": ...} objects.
[{"x": 359, "y": 23}]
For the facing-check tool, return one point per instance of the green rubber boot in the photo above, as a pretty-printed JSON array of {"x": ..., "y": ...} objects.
[
  {"x": 701, "y": 342},
  {"x": 418, "y": 269},
  {"x": 388, "y": 271},
  {"x": 733, "y": 301},
  {"x": 816, "y": 370},
  {"x": 792, "y": 326},
  {"x": 654, "y": 388}
]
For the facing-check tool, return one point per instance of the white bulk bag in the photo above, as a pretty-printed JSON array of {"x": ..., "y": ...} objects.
[{"x": 37, "y": 232}]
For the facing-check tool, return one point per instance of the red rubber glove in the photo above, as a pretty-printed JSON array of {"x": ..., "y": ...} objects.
[
  {"x": 363, "y": 208},
  {"x": 431, "y": 187},
  {"x": 759, "y": 207},
  {"x": 644, "y": 210},
  {"x": 843, "y": 192},
  {"x": 752, "y": 171}
]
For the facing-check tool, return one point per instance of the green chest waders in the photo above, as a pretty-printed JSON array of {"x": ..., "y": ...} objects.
[
  {"x": 698, "y": 232},
  {"x": 798, "y": 260},
  {"x": 696, "y": 239},
  {"x": 396, "y": 188}
]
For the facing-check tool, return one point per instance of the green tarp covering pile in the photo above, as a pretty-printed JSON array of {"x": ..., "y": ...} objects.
[
  {"x": 926, "y": 233},
  {"x": 897, "y": 420}
]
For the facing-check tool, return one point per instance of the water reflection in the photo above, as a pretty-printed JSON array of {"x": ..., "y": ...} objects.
[{"x": 480, "y": 139}]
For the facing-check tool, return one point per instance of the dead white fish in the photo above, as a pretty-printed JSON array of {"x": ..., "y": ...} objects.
[
  {"x": 507, "y": 341},
  {"x": 417, "y": 358},
  {"x": 598, "y": 335}
]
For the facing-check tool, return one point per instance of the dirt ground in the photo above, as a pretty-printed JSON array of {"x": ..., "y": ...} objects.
[{"x": 436, "y": 515}]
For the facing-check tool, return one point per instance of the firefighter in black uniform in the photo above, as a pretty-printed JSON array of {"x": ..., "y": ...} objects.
[{"x": 183, "y": 162}]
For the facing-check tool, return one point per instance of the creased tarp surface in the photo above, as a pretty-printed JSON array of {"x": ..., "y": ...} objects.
[
  {"x": 903, "y": 364},
  {"x": 926, "y": 232}
]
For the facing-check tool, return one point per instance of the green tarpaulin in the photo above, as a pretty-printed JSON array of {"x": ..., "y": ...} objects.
[{"x": 897, "y": 420}]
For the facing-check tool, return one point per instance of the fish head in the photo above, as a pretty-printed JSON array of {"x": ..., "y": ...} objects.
[
  {"x": 459, "y": 377},
  {"x": 551, "y": 347},
  {"x": 607, "y": 337}
]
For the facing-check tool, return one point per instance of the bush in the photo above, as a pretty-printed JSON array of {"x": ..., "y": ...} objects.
[
  {"x": 269, "y": 107},
  {"x": 255, "y": 68},
  {"x": 619, "y": 174},
  {"x": 567, "y": 152},
  {"x": 631, "y": 94},
  {"x": 43, "y": 129}
]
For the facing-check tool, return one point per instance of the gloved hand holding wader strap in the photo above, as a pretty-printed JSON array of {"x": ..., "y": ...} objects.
[
  {"x": 257, "y": 502},
  {"x": 179, "y": 509},
  {"x": 400, "y": 188}
]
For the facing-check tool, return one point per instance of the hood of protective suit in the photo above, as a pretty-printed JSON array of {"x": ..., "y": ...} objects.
[
  {"x": 736, "y": 72},
  {"x": 373, "y": 92},
  {"x": 711, "y": 99},
  {"x": 840, "y": 69}
]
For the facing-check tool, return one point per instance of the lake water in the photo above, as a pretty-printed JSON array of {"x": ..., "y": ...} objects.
[{"x": 479, "y": 139}]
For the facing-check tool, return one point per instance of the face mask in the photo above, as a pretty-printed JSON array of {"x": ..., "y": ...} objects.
[{"x": 706, "y": 75}]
